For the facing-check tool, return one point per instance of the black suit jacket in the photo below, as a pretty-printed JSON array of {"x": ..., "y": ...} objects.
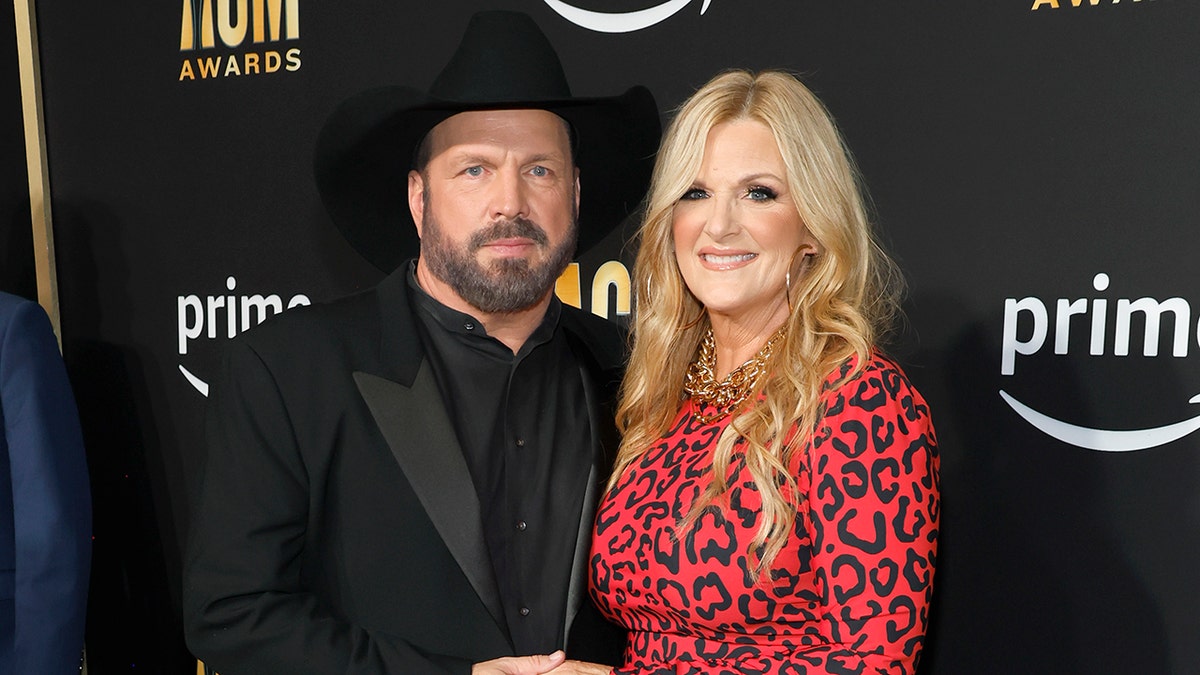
[{"x": 337, "y": 528}]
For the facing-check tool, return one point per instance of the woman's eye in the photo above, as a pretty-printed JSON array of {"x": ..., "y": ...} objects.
[
  {"x": 693, "y": 194},
  {"x": 761, "y": 194}
]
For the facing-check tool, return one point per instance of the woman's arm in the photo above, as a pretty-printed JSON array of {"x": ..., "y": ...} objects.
[{"x": 873, "y": 509}]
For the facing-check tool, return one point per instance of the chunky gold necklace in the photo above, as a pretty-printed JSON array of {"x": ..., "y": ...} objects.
[{"x": 728, "y": 394}]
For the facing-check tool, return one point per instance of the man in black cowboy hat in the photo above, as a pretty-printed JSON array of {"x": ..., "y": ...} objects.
[{"x": 404, "y": 480}]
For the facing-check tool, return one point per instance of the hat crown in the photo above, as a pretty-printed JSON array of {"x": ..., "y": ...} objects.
[
  {"x": 503, "y": 56},
  {"x": 504, "y": 61}
]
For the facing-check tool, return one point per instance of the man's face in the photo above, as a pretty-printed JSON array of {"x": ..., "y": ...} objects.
[{"x": 496, "y": 206}]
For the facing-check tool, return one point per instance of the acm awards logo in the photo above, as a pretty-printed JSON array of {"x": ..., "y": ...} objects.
[
  {"x": 204, "y": 319},
  {"x": 253, "y": 29},
  {"x": 1092, "y": 315},
  {"x": 621, "y": 22}
]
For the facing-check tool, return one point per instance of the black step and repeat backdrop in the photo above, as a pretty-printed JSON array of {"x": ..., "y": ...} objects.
[
  {"x": 16, "y": 235},
  {"x": 1032, "y": 164}
]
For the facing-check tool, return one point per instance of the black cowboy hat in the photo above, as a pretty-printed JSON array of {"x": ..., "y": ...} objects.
[{"x": 365, "y": 150}]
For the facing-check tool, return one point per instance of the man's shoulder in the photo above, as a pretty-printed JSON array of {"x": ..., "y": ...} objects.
[
  {"x": 352, "y": 318},
  {"x": 9, "y": 303},
  {"x": 13, "y": 307},
  {"x": 24, "y": 322},
  {"x": 606, "y": 341}
]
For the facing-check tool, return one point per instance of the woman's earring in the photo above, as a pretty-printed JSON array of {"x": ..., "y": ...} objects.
[{"x": 804, "y": 252}]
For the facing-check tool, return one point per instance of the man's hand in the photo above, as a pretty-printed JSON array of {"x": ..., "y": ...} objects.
[
  {"x": 521, "y": 665},
  {"x": 581, "y": 668}
]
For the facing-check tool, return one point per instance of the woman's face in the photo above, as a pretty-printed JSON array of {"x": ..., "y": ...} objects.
[{"x": 737, "y": 227}]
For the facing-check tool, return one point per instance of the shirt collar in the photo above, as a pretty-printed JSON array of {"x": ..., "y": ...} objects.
[{"x": 467, "y": 326}]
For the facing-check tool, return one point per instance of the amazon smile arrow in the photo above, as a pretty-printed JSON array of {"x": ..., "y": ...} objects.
[
  {"x": 620, "y": 22},
  {"x": 1105, "y": 440}
]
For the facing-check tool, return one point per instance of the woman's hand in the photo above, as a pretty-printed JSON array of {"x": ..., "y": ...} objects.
[{"x": 522, "y": 665}]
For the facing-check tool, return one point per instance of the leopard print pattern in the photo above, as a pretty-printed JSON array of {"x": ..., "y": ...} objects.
[{"x": 850, "y": 591}]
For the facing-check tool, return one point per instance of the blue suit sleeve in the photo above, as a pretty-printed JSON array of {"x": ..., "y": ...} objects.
[{"x": 51, "y": 499}]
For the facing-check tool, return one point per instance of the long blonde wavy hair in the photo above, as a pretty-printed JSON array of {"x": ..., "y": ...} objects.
[{"x": 841, "y": 304}]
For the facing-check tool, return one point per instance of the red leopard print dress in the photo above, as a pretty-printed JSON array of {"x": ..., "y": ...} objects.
[{"x": 850, "y": 591}]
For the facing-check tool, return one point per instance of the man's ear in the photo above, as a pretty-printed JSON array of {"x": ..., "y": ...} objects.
[
  {"x": 576, "y": 189},
  {"x": 416, "y": 199}
]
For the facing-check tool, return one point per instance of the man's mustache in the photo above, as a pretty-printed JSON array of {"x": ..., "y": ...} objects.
[{"x": 509, "y": 229}]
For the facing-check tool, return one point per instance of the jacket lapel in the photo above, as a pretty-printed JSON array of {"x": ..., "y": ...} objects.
[
  {"x": 577, "y": 591},
  {"x": 599, "y": 386},
  {"x": 419, "y": 433}
]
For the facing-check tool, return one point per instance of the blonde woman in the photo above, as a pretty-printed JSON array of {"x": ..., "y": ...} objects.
[{"x": 774, "y": 507}]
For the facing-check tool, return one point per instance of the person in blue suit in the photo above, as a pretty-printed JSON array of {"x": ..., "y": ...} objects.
[{"x": 45, "y": 502}]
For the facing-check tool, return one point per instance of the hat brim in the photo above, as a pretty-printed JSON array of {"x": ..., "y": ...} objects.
[{"x": 364, "y": 153}]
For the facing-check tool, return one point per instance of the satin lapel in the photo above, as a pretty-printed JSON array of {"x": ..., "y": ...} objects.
[
  {"x": 597, "y": 420},
  {"x": 577, "y": 591},
  {"x": 422, "y": 439}
]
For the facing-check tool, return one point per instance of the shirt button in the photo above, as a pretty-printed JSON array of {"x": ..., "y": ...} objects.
[
  {"x": 469, "y": 326},
  {"x": 520, "y": 442},
  {"x": 521, "y": 525},
  {"x": 524, "y": 611}
]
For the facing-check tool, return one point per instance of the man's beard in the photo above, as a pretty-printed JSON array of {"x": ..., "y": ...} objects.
[{"x": 502, "y": 286}]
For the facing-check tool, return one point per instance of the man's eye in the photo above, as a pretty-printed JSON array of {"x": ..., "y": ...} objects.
[
  {"x": 540, "y": 171},
  {"x": 693, "y": 194},
  {"x": 761, "y": 194},
  {"x": 474, "y": 171}
]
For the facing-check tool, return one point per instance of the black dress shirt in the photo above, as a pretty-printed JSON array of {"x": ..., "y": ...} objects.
[{"x": 522, "y": 422}]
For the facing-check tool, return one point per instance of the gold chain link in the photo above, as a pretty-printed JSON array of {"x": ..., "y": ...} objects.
[{"x": 728, "y": 394}]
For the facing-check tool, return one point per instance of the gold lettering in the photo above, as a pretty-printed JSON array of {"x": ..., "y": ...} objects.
[
  {"x": 566, "y": 287},
  {"x": 251, "y": 63},
  {"x": 187, "y": 37},
  {"x": 269, "y": 12},
  {"x": 207, "y": 38},
  {"x": 612, "y": 273},
  {"x": 293, "y": 60},
  {"x": 208, "y": 67},
  {"x": 187, "y": 28},
  {"x": 185, "y": 71},
  {"x": 231, "y": 67},
  {"x": 232, "y": 34},
  {"x": 293, "y": 20},
  {"x": 1037, "y": 4},
  {"x": 273, "y": 61}
]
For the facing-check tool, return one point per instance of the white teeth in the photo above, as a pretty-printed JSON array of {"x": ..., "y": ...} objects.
[{"x": 728, "y": 259}]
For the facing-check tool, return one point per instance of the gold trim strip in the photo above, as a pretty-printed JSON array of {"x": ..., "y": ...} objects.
[{"x": 35, "y": 159}]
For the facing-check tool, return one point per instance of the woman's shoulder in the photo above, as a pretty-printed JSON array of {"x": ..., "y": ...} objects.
[
  {"x": 879, "y": 382},
  {"x": 871, "y": 411}
]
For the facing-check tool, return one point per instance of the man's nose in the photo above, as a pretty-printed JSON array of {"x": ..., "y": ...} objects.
[{"x": 509, "y": 196}]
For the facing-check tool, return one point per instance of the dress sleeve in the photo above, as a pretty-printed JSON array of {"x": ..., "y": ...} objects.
[{"x": 873, "y": 507}]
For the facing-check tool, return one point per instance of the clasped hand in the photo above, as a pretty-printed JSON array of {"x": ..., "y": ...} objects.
[{"x": 555, "y": 663}]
